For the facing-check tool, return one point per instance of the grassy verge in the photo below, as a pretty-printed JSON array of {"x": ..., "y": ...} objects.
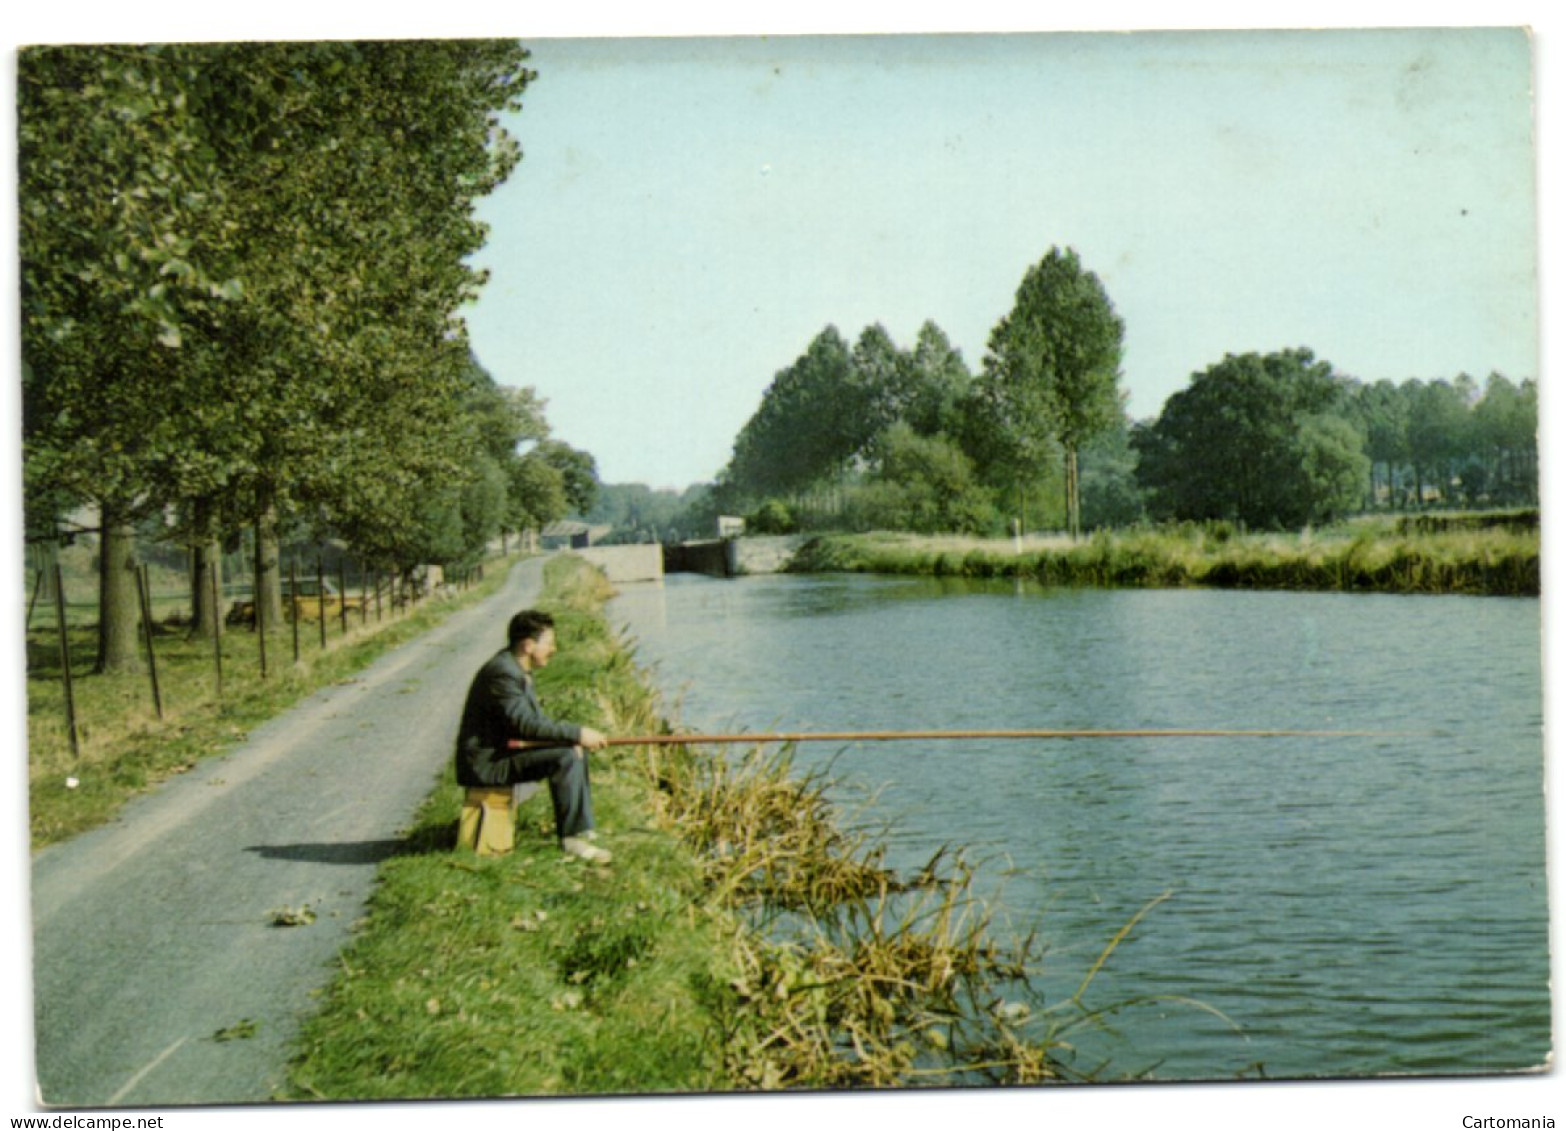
[
  {"x": 126, "y": 747},
  {"x": 531, "y": 974},
  {"x": 740, "y": 939},
  {"x": 1496, "y": 559}
]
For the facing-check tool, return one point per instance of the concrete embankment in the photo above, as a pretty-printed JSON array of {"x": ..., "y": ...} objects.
[
  {"x": 621, "y": 564},
  {"x": 733, "y": 557}
]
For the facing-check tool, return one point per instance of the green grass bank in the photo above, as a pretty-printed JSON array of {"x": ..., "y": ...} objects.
[
  {"x": 740, "y": 940},
  {"x": 1491, "y": 555}
]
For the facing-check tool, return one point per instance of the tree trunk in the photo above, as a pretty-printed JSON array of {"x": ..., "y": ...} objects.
[
  {"x": 1073, "y": 496},
  {"x": 42, "y": 557},
  {"x": 268, "y": 588},
  {"x": 206, "y": 607},
  {"x": 119, "y": 607}
]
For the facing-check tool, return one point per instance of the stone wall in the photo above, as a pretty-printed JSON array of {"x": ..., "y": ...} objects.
[
  {"x": 731, "y": 557},
  {"x": 763, "y": 554}
]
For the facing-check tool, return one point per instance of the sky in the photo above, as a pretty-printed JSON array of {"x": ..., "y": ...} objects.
[{"x": 690, "y": 213}]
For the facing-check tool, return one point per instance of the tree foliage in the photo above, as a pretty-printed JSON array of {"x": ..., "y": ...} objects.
[
  {"x": 1053, "y": 366},
  {"x": 822, "y": 423},
  {"x": 924, "y": 484},
  {"x": 242, "y": 271},
  {"x": 1252, "y": 439},
  {"x": 811, "y": 421}
]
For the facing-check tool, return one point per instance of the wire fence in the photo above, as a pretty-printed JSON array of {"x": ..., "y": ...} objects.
[{"x": 315, "y": 609}]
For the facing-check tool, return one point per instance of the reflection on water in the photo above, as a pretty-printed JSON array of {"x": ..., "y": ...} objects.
[{"x": 1353, "y": 906}]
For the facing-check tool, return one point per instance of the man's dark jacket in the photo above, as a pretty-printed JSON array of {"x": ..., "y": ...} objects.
[{"x": 502, "y": 705}]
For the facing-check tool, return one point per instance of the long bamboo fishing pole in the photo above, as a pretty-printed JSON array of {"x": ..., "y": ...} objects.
[{"x": 956, "y": 735}]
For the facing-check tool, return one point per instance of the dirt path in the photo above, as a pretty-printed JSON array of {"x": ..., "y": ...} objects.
[{"x": 153, "y": 934}]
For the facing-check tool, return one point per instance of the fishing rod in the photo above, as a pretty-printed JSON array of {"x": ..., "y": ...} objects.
[{"x": 956, "y": 735}]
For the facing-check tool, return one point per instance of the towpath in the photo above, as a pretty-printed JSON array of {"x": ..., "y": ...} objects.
[{"x": 153, "y": 934}]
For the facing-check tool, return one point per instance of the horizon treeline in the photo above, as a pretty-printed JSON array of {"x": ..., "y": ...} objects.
[
  {"x": 242, "y": 272},
  {"x": 876, "y": 436}
]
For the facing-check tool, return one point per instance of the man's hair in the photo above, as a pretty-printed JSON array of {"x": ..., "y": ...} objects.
[{"x": 529, "y": 624}]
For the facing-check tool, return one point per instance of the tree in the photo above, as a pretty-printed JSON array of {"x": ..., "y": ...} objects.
[
  {"x": 538, "y": 491},
  {"x": 502, "y": 419},
  {"x": 923, "y": 389},
  {"x": 360, "y": 163},
  {"x": 1110, "y": 494},
  {"x": 940, "y": 383},
  {"x": 1333, "y": 467},
  {"x": 883, "y": 375},
  {"x": 810, "y": 423},
  {"x": 117, "y": 203},
  {"x": 1022, "y": 462},
  {"x": 1505, "y": 432},
  {"x": 924, "y": 484},
  {"x": 578, "y": 473},
  {"x": 1438, "y": 421},
  {"x": 1054, "y": 363},
  {"x": 1383, "y": 411},
  {"x": 1254, "y": 439},
  {"x": 635, "y": 511},
  {"x": 242, "y": 269}
]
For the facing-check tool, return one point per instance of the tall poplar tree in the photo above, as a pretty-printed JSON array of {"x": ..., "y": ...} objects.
[
  {"x": 1054, "y": 363},
  {"x": 117, "y": 207}
]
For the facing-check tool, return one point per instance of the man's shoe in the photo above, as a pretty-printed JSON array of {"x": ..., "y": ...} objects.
[{"x": 576, "y": 846}]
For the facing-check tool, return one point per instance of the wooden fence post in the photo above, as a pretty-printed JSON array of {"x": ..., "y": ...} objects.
[
  {"x": 342, "y": 594},
  {"x": 217, "y": 633},
  {"x": 33, "y": 600},
  {"x": 293, "y": 599},
  {"x": 144, "y": 591},
  {"x": 261, "y": 626},
  {"x": 320, "y": 597},
  {"x": 65, "y": 664}
]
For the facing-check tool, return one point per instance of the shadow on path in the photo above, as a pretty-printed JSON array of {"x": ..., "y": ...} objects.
[{"x": 360, "y": 852}]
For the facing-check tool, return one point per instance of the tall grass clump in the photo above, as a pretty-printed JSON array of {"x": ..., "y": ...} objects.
[{"x": 1486, "y": 555}]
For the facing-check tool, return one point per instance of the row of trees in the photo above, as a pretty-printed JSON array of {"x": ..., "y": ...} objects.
[
  {"x": 637, "y": 513},
  {"x": 1281, "y": 441},
  {"x": 879, "y": 435},
  {"x": 875, "y": 436},
  {"x": 242, "y": 267}
]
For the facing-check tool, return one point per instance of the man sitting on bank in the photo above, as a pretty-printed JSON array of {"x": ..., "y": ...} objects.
[{"x": 502, "y": 706}]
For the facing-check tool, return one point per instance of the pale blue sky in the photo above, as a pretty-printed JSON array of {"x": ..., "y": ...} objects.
[{"x": 689, "y": 214}]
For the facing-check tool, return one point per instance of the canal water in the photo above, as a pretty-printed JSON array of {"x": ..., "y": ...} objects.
[{"x": 1349, "y": 906}]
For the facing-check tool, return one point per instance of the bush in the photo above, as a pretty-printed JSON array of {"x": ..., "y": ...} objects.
[{"x": 773, "y": 517}]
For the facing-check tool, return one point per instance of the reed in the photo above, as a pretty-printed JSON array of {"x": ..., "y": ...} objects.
[
  {"x": 849, "y": 974},
  {"x": 1487, "y": 555}
]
